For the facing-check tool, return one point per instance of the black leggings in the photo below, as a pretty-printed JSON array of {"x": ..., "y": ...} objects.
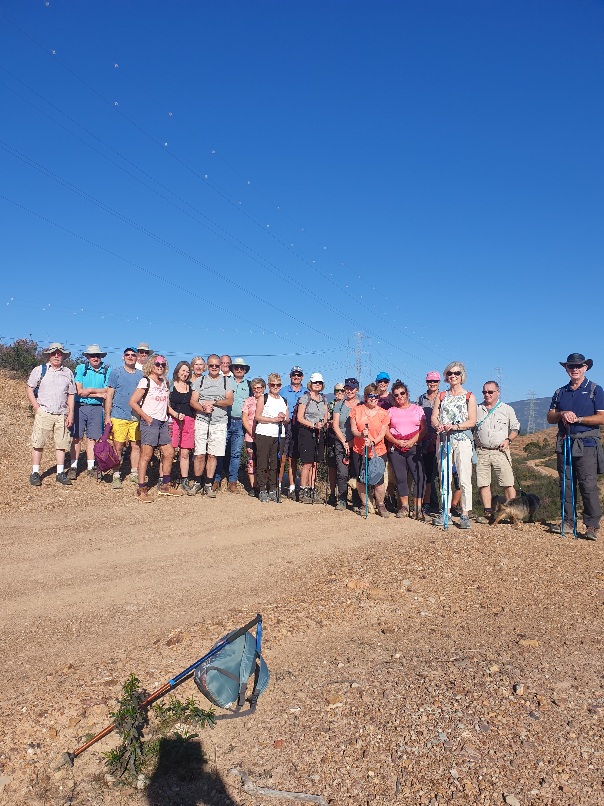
[{"x": 408, "y": 462}]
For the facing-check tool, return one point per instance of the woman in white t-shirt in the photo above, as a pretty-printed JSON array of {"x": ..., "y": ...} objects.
[
  {"x": 151, "y": 403},
  {"x": 271, "y": 415}
]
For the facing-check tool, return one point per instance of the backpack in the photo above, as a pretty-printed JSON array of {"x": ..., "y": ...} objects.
[
  {"x": 42, "y": 374},
  {"x": 223, "y": 678},
  {"x": 146, "y": 392},
  {"x": 105, "y": 455},
  {"x": 310, "y": 399}
]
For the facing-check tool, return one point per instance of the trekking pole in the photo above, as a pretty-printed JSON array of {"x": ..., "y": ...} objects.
[
  {"x": 314, "y": 464},
  {"x": 228, "y": 639},
  {"x": 448, "y": 490},
  {"x": 569, "y": 453},
  {"x": 564, "y": 460},
  {"x": 366, "y": 481},
  {"x": 278, "y": 463}
]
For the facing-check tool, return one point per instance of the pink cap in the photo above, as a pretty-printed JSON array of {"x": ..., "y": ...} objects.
[{"x": 433, "y": 376}]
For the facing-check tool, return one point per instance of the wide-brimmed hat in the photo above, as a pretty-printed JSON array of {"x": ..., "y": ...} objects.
[
  {"x": 144, "y": 346},
  {"x": 94, "y": 349},
  {"x": 433, "y": 376},
  {"x": 339, "y": 387},
  {"x": 56, "y": 345},
  {"x": 239, "y": 362},
  {"x": 577, "y": 358}
]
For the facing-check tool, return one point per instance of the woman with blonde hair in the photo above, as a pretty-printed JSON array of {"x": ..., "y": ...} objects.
[
  {"x": 271, "y": 416},
  {"x": 150, "y": 401},
  {"x": 453, "y": 417},
  {"x": 198, "y": 367}
]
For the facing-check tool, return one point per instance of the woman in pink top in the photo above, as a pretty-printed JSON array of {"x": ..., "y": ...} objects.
[
  {"x": 248, "y": 413},
  {"x": 407, "y": 427}
]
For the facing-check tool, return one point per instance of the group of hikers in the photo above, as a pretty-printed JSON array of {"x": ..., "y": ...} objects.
[{"x": 210, "y": 410}]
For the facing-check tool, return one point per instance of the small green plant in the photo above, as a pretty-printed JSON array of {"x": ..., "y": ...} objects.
[
  {"x": 182, "y": 711},
  {"x": 127, "y": 759}
]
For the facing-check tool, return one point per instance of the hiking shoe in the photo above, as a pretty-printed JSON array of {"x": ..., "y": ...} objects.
[
  {"x": 426, "y": 509},
  {"x": 440, "y": 520},
  {"x": 556, "y": 529},
  {"x": 35, "y": 480},
  {"x": 210, "y": 491},
  {"x": 133, "y": 478},
  {"x": 332, "y": 500},
  {"x": 341, "y": 504},
  {"x": 215, "y": 485},
  {"x": 116, "y": 484},
  {"x": 72, "y": 473},
  {"x": 382, "y": 512},
  {"x": 486, "y": 518},
  {"x": 272, "y": 497},
  {"x": 63, "y": 478},
  {"x": 292, "y": 493},
  {"x": 142, "y": 495},
  {"x": 403, "y": 512},
  {"x": 91, "y": 472},
  {"x": 252, "y": 493},
  {"x": 591, "y": 534},
  {"x": 194, "y": 488},
  {"x": 464, "y": 522},
  {"x": 184, "y": 486},
  {"x": 263, "y": 497},
  {"x": 168, "y": 489},
  {"x": 232, "y": 486}
]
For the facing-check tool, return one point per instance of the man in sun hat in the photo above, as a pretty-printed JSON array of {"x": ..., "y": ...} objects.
[
  {"x": 431, "y": 504},
  {"x": 290, "y": 448},
  {"x": 241, "y": 391},
  {"x": 91, "y": 386},
  {"x": 143, "y": 351},
  {"x": 578, "y": 410},
  {"x": 51, "y": 391}
]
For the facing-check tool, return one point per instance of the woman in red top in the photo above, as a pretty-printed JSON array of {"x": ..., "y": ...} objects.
[{"x": 369, "y": 423}]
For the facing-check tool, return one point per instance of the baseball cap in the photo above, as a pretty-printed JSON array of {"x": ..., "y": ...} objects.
[
  {"x": 316, "y": 377},
  {"x": 296, "y": 369},
  {"x": 382, "y": 376},
  {"x": 339, "y": 387},
  {"x": 351, "y": 383},
  {"x": 433, "y": 376}
]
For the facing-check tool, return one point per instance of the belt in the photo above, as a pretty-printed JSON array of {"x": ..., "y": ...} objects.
[{"x": 484, "y": 448}]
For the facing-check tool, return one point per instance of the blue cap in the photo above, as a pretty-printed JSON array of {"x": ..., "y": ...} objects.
[
  {"x": 351, "y": 383},
  {"x": 382, "y": 376}
]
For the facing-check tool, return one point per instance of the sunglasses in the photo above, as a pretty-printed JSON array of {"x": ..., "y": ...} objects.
[
  {"x": 489, "y": 391},
  {"x": 161, "y": 364},
  {"x": 454, "y": 372},
  {"x": 214, "y": 366},
  {"x": 575, "y": 366},
  {"x": 399, "y": 394},
  {"x": 275, "y": 385},
  {"x": 130, "y": 355},
  {"x": 296, "y": 375},
  {"x": 372, "y": 397},
  {"x": 432, "y": 381}
]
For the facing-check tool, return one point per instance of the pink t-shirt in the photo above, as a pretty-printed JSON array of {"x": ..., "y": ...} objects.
[
  {"x": 406, "y": 423},
  {"x": 249, "y": 407},
  {"x": 156, "y": 401}
]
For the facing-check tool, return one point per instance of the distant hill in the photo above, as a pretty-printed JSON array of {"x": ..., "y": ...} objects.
[{"x": 521, "y": 407}]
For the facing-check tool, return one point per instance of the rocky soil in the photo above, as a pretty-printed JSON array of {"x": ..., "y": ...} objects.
[{"x": 409, "y": 665}]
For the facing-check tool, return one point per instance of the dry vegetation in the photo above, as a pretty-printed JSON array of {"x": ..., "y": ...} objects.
[{"x": 408, "y": 665}]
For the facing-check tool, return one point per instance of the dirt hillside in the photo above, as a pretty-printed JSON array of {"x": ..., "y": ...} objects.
[{"x": 409, "y": 665}]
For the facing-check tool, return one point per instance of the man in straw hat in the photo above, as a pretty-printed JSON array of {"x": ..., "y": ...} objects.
[
  {"x": 91, "y": 386},
  {"x": 578, "y": 410},
  {"x": 51, "y": 392}
]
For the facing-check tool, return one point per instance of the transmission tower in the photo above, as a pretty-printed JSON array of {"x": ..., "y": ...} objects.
[
  {"x": 359, "y": 355},
  {"x": 498, "y": 376},
  {"x": 530, "y": 429}
]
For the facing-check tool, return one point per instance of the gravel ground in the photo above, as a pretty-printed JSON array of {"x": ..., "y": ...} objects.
[{"x": 408, "y": 665}]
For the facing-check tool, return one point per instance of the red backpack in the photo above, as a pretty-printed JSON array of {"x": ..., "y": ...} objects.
[{"x": 105, "y": 454}]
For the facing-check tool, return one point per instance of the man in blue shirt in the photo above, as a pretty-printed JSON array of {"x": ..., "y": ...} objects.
[
  {"x": 91, "y": 387},
  {"x": 237, "y": 369},
  {"x": 578, "y": 409},
  {"x": 121, "y": 385}
]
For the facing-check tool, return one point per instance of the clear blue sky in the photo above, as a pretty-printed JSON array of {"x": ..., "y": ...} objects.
[{"x": 269, "y": 178}]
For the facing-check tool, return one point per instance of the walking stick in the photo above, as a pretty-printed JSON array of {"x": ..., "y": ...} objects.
[
  {"x": 366, "y": 481},
  {"x": 228, "y": 639},
  {"x": 564, "y": 460},
  {"x": 278, "y": 463},
  {"x": 314, "y": 464},
  {"x": 569, "y": 454}
]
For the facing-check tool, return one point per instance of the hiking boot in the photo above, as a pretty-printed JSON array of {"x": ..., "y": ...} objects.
[
  {"x": 332, "y": 500},
  {"x": 232, "y": 486},
  {"x": 341, "y": 504},
  {"x": 35, "y": 480},
  {"x": 403, "y": 512},
  {"x": 486, "y": 518},
  {"x": 426, "y": 509},
  {"x": 210, "y": 489},
  {"x": 215, "y": 486},
  {"x": 72, "y": 473},
  {"x": 194, "y": 488},
  {"x": 142, "y": 495},
  {"x": 383, "y": 512},
  {"x": 62, "y": 478},
  {"x": 272, "y": 497},
  {"x": 464, "y": 522},
  {"x": 184, "y": 486},
  {"x": 591, "y": 534},
  {"x": 91, "y": 472},
  {"x": 116, "y": 484},
  {"x": 168, "y": 489},
  {"x": 263, "y": 497},
  {"x": 556, "y": 529},
  {"x": 252, "y": 493},
  {"x": 440, "y": 520}
]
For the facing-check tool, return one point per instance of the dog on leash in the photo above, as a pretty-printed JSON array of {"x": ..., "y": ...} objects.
[{"x": 521, "y": 508}]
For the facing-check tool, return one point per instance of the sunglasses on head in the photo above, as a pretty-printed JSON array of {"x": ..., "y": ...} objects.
[{"x": 454, "y": 372}]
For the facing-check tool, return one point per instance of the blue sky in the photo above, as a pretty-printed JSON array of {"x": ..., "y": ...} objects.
[{"x": 270, "y": 178}]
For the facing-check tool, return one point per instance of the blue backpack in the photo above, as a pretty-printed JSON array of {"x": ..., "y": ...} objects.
[{"x": 223, "y": 678}]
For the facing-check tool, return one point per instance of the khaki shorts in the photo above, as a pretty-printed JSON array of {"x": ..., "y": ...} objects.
[
  {"x": 498, "y": 461},
  {"x": 125, "y": 430},
  {"x": 213, "y": 443},
  {"x": 46, "y": 424}
]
